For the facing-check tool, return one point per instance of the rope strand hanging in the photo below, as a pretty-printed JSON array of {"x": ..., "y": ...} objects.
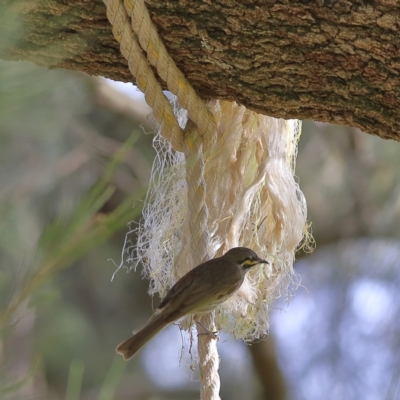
[
  {"x": 170, "y": 129},
  {"x": 233, "y": 186}
]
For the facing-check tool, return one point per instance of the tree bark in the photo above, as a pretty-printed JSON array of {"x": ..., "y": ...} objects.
[{"x": 329, "y": 60}]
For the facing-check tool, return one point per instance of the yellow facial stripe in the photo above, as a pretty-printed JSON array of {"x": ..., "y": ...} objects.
[{"x": 250, "y": 262}]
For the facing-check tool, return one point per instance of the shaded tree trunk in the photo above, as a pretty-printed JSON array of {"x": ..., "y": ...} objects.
[{"x": 268, "y": 370}]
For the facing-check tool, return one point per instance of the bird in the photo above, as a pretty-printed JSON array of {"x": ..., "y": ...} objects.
[{"x": 198, "y": 292}]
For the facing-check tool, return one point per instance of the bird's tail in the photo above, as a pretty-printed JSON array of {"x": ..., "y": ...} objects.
[{"x": 131, "y": 346}]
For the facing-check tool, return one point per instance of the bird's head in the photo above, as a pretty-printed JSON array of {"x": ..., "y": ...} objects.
[{"x": 244, "y": 258}]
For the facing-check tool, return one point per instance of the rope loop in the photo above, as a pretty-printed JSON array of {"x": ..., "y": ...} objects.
[{"x": 142, "y": 47}]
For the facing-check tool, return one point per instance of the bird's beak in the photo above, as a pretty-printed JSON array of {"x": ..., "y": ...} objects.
[{"x": 263, "y": 262}]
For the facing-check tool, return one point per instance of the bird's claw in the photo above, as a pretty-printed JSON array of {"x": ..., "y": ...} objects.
[{"x": 214, "y": 334}]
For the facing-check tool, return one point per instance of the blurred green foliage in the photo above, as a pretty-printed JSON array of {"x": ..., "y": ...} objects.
[
  {"x": 73, "y": 172},
  {"x": 60, "y": 200}
]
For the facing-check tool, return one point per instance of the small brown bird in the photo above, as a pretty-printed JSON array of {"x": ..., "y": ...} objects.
[{"x": 198, "y": 292}]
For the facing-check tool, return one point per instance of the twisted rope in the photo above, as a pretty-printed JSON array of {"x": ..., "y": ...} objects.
[
  {"x": 198, "y": 211},
  {"x": 159, "y": 57},
  {"x": 209, "y": 362},
  {"x": 145, "y": 79},
  {"x": 201, "y": 127}
]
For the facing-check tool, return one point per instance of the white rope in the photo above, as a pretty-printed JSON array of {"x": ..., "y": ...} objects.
[
  {"x": 234, "y": 187},
  {"x": 200, "y": 240}
]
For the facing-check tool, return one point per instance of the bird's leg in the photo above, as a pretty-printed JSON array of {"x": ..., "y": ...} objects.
[{"x": 214, "y": 335}]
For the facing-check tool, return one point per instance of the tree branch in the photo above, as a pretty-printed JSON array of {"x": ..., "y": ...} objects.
[{"x": 328, "y": 60}]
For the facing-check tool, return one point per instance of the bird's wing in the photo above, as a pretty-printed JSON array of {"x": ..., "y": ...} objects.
[
  {"x": 188, "y": 295},
  {"x": 182, "y": 283},
  {"x": 199, "y": 291},
  {"x": 190, "y": 303}
]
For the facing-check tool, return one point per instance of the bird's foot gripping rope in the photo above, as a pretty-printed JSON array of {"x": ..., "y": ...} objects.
[{"x": 203, "y": 330}]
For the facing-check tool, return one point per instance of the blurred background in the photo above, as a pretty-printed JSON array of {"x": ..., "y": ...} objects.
[{"x": 75, "y": 161}]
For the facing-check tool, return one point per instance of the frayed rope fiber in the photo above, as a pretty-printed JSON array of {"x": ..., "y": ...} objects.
[{"x": 252, "y": 200}]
